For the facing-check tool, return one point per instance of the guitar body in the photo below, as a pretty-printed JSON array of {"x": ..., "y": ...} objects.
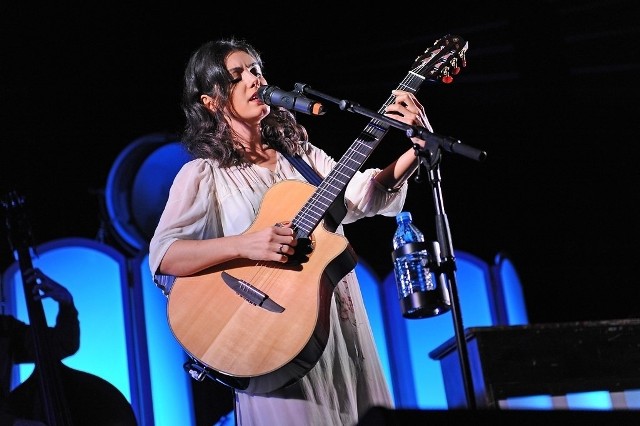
[{"x": 227, "y": 333}]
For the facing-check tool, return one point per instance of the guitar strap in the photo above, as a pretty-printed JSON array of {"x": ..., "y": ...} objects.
[
  {"x": 305, "y": 169},
  {"x": 338, "y": 210}
]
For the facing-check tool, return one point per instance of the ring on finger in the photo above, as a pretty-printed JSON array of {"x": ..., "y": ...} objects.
[{"x": 280, "y": 249}]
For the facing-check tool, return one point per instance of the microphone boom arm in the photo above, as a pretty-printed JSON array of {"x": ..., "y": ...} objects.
[{"x": 447, "y": 143}]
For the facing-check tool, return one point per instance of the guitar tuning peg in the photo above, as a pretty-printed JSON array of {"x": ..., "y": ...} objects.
[
  {"x": 446, "y": 77},
  {"x": 455, "y": 67},
  {"x": 463, "y": 59}
]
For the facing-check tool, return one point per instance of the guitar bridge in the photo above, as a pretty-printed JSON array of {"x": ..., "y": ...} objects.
[{"x": 251, "y": 294}]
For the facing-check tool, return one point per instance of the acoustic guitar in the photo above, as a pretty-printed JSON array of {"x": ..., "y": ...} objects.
[{"x": 259, "y": 326}]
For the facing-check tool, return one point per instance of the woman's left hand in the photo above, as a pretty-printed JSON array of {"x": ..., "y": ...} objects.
[{"x": 407, "y": 109}]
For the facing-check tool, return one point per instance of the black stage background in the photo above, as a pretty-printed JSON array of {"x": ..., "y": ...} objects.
[{"x": 548, "y": 93}]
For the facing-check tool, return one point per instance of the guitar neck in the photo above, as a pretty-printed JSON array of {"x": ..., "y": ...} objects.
[
  {"x": 53, "y": 404},
  {"x": 35, "y": 310},
  {"x": 334, "y": 184}
]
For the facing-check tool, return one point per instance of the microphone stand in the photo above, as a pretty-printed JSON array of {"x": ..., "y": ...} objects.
[
  {"x": 429, "y": 157},
  {"x": 447, "y": 264}
]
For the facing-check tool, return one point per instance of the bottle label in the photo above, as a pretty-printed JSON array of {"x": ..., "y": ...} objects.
[
  {"x": 408, "y": 249},
  {"x": 413, "y": 274}
]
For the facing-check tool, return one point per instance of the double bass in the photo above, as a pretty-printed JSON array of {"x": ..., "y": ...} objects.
[{"x": 54, "y": 393}]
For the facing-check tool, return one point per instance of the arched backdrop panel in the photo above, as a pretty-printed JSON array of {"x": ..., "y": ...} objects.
[{"x": 170, "y": 384}]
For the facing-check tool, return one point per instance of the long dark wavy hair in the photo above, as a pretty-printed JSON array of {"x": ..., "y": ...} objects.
[{"x": 207, "y": 134}]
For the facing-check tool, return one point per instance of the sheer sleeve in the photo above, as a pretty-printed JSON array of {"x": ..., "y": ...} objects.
[{"x": 188, "y": 212}]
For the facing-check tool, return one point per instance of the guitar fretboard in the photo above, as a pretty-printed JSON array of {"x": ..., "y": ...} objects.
[{"x": 435, "y": 62}]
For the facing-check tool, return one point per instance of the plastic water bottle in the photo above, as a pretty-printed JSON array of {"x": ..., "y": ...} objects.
[{"x": 420, "y": 293}]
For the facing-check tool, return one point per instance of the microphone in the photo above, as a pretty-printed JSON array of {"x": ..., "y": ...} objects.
[{"x": 275, "y": 96}]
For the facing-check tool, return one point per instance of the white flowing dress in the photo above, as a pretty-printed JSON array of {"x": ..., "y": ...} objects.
[{"x": 206, "y": 201}]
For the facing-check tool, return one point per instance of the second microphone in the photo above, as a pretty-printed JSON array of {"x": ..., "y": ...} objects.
[{"x": 274, "y": 96}]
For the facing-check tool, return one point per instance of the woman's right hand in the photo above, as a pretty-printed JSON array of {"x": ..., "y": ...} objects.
[
  {"x": 275, "y": 243},
  {"x": 185, "y": 257}
]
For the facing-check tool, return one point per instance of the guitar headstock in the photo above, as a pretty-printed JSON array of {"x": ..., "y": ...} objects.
[
  {"x": 444, "y": 59},
  {"x": 16, "y": 221}
]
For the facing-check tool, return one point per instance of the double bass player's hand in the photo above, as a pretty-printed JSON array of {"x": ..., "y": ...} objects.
[{"x": 47, "y": 287}]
